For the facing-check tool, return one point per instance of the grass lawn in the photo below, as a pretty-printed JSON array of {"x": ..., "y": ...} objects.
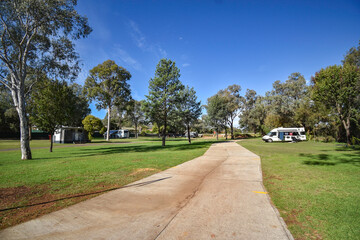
[
  {"x": 70, "y": 171},
  {"x": 12, "y": 144},
  {"x": 315, "y": 186}
]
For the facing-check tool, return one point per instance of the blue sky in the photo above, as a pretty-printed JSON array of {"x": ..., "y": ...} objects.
[{"x": 218, "y": 43}]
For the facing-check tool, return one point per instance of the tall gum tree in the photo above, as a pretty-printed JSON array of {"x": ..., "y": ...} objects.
[
  {"x": 107, "y": 85},
  {"x": 36, "y": 37},
  {"x": 338, "y": 88},
  {"x": 233, "y": 103},
  {"x": 163, "y": 95}
]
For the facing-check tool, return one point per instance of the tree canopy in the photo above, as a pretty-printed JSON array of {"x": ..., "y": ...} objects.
[
  {"x": 189, "y": 109},
  {"x": 163, "y": 95},
  {"x": 54, "y": 104},
  {"x": 36, "y": 38},
  {"x": 107, "y": 84},
  {"x": 338, "y": 88}
]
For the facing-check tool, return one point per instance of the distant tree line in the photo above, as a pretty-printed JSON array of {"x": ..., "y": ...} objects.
[{"x": 329, "y": 106}]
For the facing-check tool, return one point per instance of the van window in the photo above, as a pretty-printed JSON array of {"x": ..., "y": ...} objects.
[
  {"x": 302, "y": 133},
  {"x": 271, "y": 134}
]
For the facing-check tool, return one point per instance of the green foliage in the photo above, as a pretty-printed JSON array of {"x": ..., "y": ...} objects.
[
  {"x": 233, "y": 102},
  {"x": 92, "y": 124},
  {"x": 253, "y": 112},
  {"x": 53, "y": 105},
  {"x": 188, "y": 108},
  {"x": 338, "y": 87},
  {"x": 352, "y": 57},
  {"x": 160, "y": 104},
  {"x": 135, "y": 113},
  {"x": 107, "y": 85},
  {"x": 216, "y": 112},
  {"x": 285, "y": 99},
  {"x": 36, "y": 39}
]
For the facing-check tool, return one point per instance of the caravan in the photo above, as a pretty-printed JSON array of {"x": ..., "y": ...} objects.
[{"x": 285, "y": 135}]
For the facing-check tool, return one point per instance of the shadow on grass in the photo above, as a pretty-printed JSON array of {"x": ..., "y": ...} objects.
[
  {"x": 143, "y": 148},
  {"x": 86, "y": 151},
  {"x": 330, "y": 159}
]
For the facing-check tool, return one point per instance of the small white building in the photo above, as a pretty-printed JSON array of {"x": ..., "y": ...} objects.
[{"x": 70, "y": 135}]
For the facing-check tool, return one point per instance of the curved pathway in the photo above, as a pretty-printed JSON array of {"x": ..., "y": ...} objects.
[{"x": 216, "y": 196}]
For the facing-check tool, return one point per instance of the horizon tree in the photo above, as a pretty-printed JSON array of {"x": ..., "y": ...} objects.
[
  {"x": 107, "y": 85},
  {"x": 216, "y": 113},
  {"x": 233, "y": 103},
  {"x": 189, "y": 108},
  {"x": 36, "y": 38},
  {"x": 135, "y": 113},
  {"x": 163, "y": 95}
]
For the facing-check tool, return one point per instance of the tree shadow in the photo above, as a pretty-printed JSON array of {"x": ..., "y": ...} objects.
[
  {"x": 88, "y": 152},
  {"x": 331, "y": 160}
]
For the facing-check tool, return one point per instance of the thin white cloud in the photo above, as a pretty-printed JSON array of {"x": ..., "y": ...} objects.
[
  {"x": 137, "y": 35},
  {"x": 126, "y": 58},
  {"x": 141, "y": 42},
  {"x": 186, "y": 65}
]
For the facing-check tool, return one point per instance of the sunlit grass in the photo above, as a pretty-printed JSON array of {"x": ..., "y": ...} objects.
[{"x": 315, "y": 186}]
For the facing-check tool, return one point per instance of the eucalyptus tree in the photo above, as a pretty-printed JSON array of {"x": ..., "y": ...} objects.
[
  {"x": 189, "y": 108},
  {"x": 216, "y": 113},
  {"x": 285, "y": 99},
  {"x": 107, "y": 85},
  {"x": 164, "y": 89},
  {"x": 36, "y": 37},
  {"x": 247, "y": 119},
  {"x": 338, "y": 88},
  {"x": 233, "y": 104},
  {"x": 135, "y": 113}
]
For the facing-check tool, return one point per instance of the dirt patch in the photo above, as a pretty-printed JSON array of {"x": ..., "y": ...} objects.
[
  {"x": 277, "y": 177},
  {"x": 20, "y": 204},
  {"x": 143, "y": 170}
]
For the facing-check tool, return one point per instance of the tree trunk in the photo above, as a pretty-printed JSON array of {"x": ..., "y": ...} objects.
[
  {"x": 108, "y": 125},
  {"x": 232, "y": 129},
  {"x": 188, "y": 131},
  {"x": 19, "y": 102},
  {"x": 217, "y": 134},
  {"x": 51, "y": 141},
  {"x": 136, "y": 132},
  {"x": 29, "y": 131},
  {"x": 225, "y": 133},
  {"x": 164, "y": 135},
  {"x": 347, "y": 129}
]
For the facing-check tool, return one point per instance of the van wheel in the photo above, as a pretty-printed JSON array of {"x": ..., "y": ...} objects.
[{"x": 270, "y": 140}]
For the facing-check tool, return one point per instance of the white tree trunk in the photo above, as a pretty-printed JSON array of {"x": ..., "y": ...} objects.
[
  {"x": 108, "y": 124},
  {"x": 19, "y": 102}
]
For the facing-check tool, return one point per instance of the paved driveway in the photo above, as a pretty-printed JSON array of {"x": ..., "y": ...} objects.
[{"x": 216, "y": 196}]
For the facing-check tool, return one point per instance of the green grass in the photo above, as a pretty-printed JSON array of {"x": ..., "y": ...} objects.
[
  {"x": 315, "y": 186},
  {"x": 82, "y": 169},
  {"x": 13, "y": 144}
]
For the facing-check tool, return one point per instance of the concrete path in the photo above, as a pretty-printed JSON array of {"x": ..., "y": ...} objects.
[{"x": 216, "y": 196}]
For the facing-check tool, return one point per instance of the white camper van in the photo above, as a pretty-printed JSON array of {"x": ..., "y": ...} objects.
[{"x": 285, "y": 135}]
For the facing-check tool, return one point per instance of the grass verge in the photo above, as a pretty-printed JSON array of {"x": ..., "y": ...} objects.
[
  {"x": 70, "y": 171},
  {"x": 315, "y": 186}
]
